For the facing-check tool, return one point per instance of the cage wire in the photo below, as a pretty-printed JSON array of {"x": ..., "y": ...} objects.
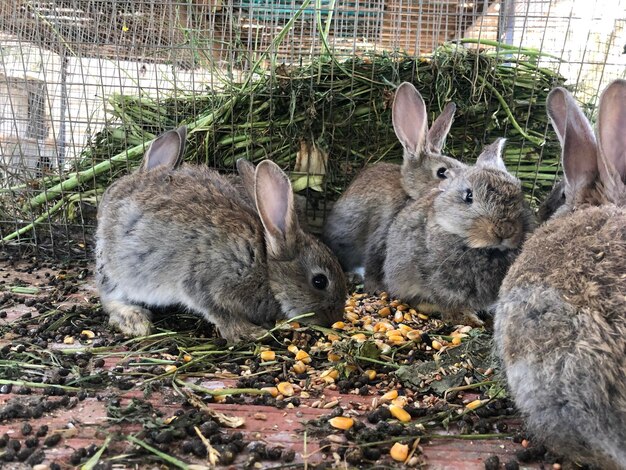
[{"x": 85, "y": 85}]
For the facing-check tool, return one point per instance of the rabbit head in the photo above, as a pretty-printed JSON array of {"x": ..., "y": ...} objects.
[
  {"x": 304, "y": 275},
  {"x": 423, "y": 162},
  {"x": 594, "y": 171},
  {"x": 484, "y": 204}
]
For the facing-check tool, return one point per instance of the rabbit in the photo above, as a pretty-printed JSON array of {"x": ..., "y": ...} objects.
[
  {"x": 449, "y": 250},
  {"x": 560, "y": 321},
  {"x": 185, "y": 236},
  {"x": 245, "y": 180},
  {"x": 356, "y": 228}
]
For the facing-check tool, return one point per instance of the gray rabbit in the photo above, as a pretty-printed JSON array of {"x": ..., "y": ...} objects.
[
  {"x": 184, "y": 235},
  {"x": 561, "y": 319},
  {"x": 356, "y": 228},
  {"x": 449, "y": 250}
]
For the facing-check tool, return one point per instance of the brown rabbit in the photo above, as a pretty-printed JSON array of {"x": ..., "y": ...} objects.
[
  {"x": 560, "y": 322},
  {"x": 186, "y": 236},
  {"x": 356, "y": 228}
]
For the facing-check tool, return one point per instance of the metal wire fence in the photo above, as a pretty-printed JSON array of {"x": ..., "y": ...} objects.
[{"x": 85, "y": 84}]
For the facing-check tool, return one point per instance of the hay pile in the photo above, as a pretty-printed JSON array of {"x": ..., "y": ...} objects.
[{"x": 339, "y": 111}]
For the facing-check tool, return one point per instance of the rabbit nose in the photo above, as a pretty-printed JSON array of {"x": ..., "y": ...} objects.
[{"x": 506, "y": 229}]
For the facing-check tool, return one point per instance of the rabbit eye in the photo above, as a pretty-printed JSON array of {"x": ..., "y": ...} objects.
[
  {"x": 441, "y": 173},
  {"x": 320, "y": 281},
  {"x": 469, "y": 196}
]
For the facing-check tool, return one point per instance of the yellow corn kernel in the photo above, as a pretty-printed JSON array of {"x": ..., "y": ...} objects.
[
  {"x": 171, "y": 368},
  {"x": 390, "y": 395},
  {"x": 399, "y": 452},
  {"x": 338, "y": 325},
  {"x": 384, "y": 296},
  {"x": 299, "y": 367},
  {"x": 422, "y": 316},
  {"x": 398, "y": 316},
  {"x": 285, "y": 388},
  {"x": 384, "y": 312},
  {"x": 268, "y": 356},
  {"x": 303, "y": 356},
  {"x": 402, "y": 307},
  {"x": 348, "y": 308},
  {"x": 294, "y": 325},
  {"x": 333, "y": 373},
  {"x": 394, "y": 303},
  {"x": 88, "y": 333},
  {"x": 380, "y": 326},
  {"x": 351, "y": 302},
  {"x": 404, "y": 328},
  {"x": 392, "y": 332},
  {"x": 412, "y": 311},
  {"x": 414, "y": 335},
  {"x": 332, "y": 337},
  {"x": 472, "y": 405},
  {"x": 68, "y": 340},
  {"x": 399, "y": 413},
  {"x": 396, "y": 339},
  {"x": 332, "y": 357},
  {"x": 456, "y": 340},
  {"x": 401, "y": 401},
  {"x": 359, "y": 337},
  {"x": 341, "y": 422},
  {"x": 436, "y": 345},
  {"x": 370, "y": 373},
  {"x": 292, "y": 348},
  {"x": 352, "y": 316},
  {"x": 271, "y": 390}
]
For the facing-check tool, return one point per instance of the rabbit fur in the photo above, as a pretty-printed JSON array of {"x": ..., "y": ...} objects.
[
  {"x": 554, "y": 200},
  {"x": 450, "y": 250},
  {"x": 356, "y": 228},
  {"x": 185, "y": 236},
  {"x": 560, "y": 321}
]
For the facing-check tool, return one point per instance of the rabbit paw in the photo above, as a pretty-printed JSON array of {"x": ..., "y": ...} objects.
[
  {"x": 466, "y": 317},
  {"x": 241, "y": 330},
  {"x": 130, "y": 319}
]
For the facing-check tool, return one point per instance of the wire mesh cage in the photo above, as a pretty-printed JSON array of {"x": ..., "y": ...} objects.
[{"x": 85, "y": 85}]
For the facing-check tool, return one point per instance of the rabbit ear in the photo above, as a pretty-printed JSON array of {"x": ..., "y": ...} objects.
[
  {"x": 246, "y": 171},
  {"x": 166, "y": 150},
  {"x": 440, "y": 128},
  {"x": 409, "y": 119},
  {"x": 612, "y": 140},
  {"x": 579, "y": 149},
  {"x": 491, "y": 156},
  {"x": 274, "y": 202}
]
